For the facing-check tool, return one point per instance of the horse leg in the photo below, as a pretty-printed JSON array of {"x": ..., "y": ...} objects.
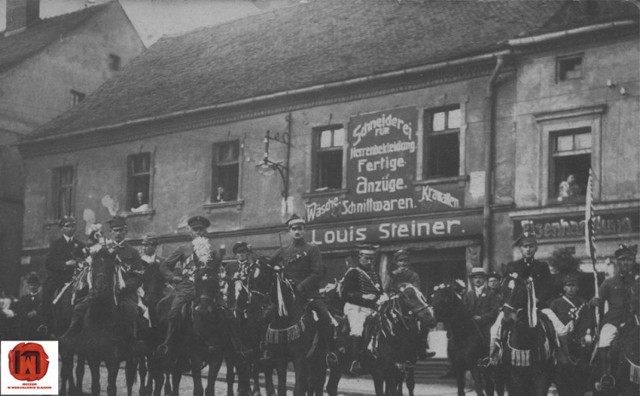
[
  {"x": 378, "y": 383},
  {"x": 255, "y": 374},
  {"x": 196, "y": 374},
  {"x": 169, "y": 384},
  {"x": 410, "y": 380},
  {"x": 477, "y": 380},
  {"x": 112, "y": 375},
  {"x": 230, "y": 375},
  {"x": 281, "y": 368},
  {"x": 332, "y": 383},
  {"x": 268, "y": 380},
  {"x": 214, "y": 368},
  {"x": 143, "y": 371},
  {"x": 459, "y": 374},
  {"x": 176, "y": 376},
  {"x": 300, "y": 368},
  {"x": 80, "y": 362},
  {"x": 66, "y": 375},
  {"x": 94, "y": 366},
  {"x": 130, "y": 374}
]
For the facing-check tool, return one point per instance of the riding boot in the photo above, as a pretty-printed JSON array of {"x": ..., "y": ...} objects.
[
  {"x": 355, "y": 368},
  {"x": 423, "y": 350},
  {"x": 607, "y": 381},
  {"x": 171, "y": 328}
]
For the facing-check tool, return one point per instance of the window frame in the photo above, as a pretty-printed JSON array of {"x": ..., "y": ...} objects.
[
  {"x": 77, "y": 97},
  {"x": 317, "y": 151},
  {"x": 115, "y": 62},
  {"x": 130, "y": 175},
  {"x": 57, "y": 186},
  {"x": 555, "y": 155},
  {"x": 565, "y": 58},
  {"x": 215, "y": 164},
  {"x": 549, "y": 123},
  {"x": 428, "y": 132}
]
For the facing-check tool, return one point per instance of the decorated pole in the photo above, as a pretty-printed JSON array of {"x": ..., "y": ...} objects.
[{"x": 589, "y": 235}]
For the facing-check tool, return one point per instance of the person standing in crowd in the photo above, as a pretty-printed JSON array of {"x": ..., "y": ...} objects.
[
  {"x": 482, "y": 302},
  {"x": 569, "y": 381},
  {"x": 153, "y": 283},
  {"x": 401, "y": 273},
  {"x": 63, "y": 257},
  {"x": 361, "y": 289},
  {"x": 184, "y": 267},
  {"x": 29, "y": 320},
  {"x": 493, "y": 282},
  {"x": 303, "y": 266},
  {"x": 7, "y": 315},
  {"x": 616, "y": 291}
]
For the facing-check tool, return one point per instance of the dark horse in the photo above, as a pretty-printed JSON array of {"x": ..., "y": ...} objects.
[
  {"x": 528, "y": 344},
  {"x": 574, "y": 353},
  {"x": 467, "y": 345},
  {"x": 292, "y": 336},
  {"x": 101, "y": 338}
]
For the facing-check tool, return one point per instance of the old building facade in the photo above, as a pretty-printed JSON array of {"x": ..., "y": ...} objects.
[
  {"x": 47, "y": 66},
  {"x": 369, "y": 140}
]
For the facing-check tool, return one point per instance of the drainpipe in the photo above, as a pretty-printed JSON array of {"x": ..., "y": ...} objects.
[{"x": 490, "y": 106}]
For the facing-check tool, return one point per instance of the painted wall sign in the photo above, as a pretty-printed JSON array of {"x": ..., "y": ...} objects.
[
  {"x": 572, "y": 226},
  {"x": 381, "y": 167},
  {"x": 405, "y": 230}
]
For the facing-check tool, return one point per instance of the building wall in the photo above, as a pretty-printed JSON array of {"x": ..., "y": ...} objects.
[
  {"x": 39, "y": 88},
  {"x": 543, "y": 104}
]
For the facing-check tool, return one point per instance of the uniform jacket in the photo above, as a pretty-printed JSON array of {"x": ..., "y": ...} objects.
[
  {"x": 153, "y": 279},
  {"x": 302, "y": 265},
  {"x": 539, "y": 272},
  {"x": 486, "y": 306},
  {"x": 407, "y": 276},
  {"x": 358, "y": 282},
  {"x": 617, "y": 291},
  {"x": 129, "y": 258},
  {"x": 61, "y": 251},
  {"x": 564, "y": 307},
  {"x": 184, "y": 263}
]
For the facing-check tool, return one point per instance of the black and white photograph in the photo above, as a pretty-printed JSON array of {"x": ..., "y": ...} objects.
[{"x": 320, "y": 197}]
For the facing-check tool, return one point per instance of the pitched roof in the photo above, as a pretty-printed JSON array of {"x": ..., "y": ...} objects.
[
  {"x": 309, "y": 44},
  {"x": 18, "y": 47}
]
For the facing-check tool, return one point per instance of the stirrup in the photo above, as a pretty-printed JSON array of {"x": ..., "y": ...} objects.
[
  {"x": 356, "y": 369},
  {"x": 162, "y": 349},
  {"x": 607, "y": 382},
  {"x": 331, "y": 359}
]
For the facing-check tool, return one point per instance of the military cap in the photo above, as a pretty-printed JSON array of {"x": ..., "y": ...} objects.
[
  {"x": 238, "y": 246},
  {"x": 400, "y": 254},
  {"x": 367, "y": 249},
  {"x": 477, "y": 271},
  {"x": 199, "y": 221},
  {"x": 494, "y": 275},
  {"x": 148, "y": 240},
  {"x": 525, "y": 238},
  {"x": 571, "y": 279},
  {"x": 117, "y": 222},
  {"x": 625, "y": 251},
  {"x": 33, "y": 279},
  {"x": 67, "y": 220},
  {"x": 295, "y": 220}
]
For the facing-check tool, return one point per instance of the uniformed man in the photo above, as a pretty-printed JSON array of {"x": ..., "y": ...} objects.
[
  {"x": 303, "y": 267},
  {"x": 27, "y": 310},
  {"x": 153, "y": 282},
  {"x": 184, "y": 267},
  {"x": 570, "y": 379},
  {"x": 482, "y": 302},
  {"x": 63, "y": 257},
  {"x": 529, "y": 268},
  {"x": 617, "y": 292},
  {"x": 402, "y": 273},
  {"x": 237, "y": 272},
  {"x": 361, "y": 289}
]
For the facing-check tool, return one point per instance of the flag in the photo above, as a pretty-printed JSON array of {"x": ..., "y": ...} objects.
[{"x": 589, "y": 232}]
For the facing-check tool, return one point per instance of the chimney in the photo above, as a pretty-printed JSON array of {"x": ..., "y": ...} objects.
[{"x": 20, "y": 14}]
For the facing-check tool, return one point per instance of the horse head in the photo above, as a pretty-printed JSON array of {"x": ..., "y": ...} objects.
[
  {"x": 252, "y": 291},
  {"x": 447, "y": 298},
  {"x": 207, "y": 290},
  {"x": 413, "y": 299},
  {"x": 519, "y": 300}
]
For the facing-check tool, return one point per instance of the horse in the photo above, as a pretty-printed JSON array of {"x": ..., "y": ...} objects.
[
  {"x": 574, "y": 353},
  {"x": 293, "y": 335},
  {"x": 627, "y": 351},
  {"x": 528, "y": 340},
  {"x": 467, "y": 344}
]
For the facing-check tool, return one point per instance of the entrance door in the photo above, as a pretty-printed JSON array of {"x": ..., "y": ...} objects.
[{"x": 438, "y": 266}]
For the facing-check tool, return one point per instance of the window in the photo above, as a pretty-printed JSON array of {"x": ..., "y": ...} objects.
[
  {"x": 328, "y": 144},
  {"x": 226, "y": 171},
  {"x": 569, "y": 68},
  {"x": 114, "y": 62},
  {"x": 76, "y": 97},
  {"x": 139, "y": 182},
  {"x": 442, "y": 143},
  {"x": 571, "y": 160},
  {"x": 62, "y": 192}
]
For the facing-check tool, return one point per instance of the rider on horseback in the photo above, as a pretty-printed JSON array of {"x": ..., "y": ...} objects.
[
  {"x": 361, "y": 288},
  {"x": 304, "y": 268},
  {"x": 401, "y": 274},
  {"x": 617, "y": 292},
  {"x": 128, "y": 279},
  {"x": 186, "y": 265}
]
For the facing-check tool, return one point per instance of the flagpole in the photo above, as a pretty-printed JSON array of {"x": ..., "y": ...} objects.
[{"x": 589, "y": 235}]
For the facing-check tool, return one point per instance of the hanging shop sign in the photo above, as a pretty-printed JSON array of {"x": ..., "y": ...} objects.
[
  {"x": 572, "y": 226},
  {"x": 380, "y": 171},
  {"x": 402, "y": 230}
]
